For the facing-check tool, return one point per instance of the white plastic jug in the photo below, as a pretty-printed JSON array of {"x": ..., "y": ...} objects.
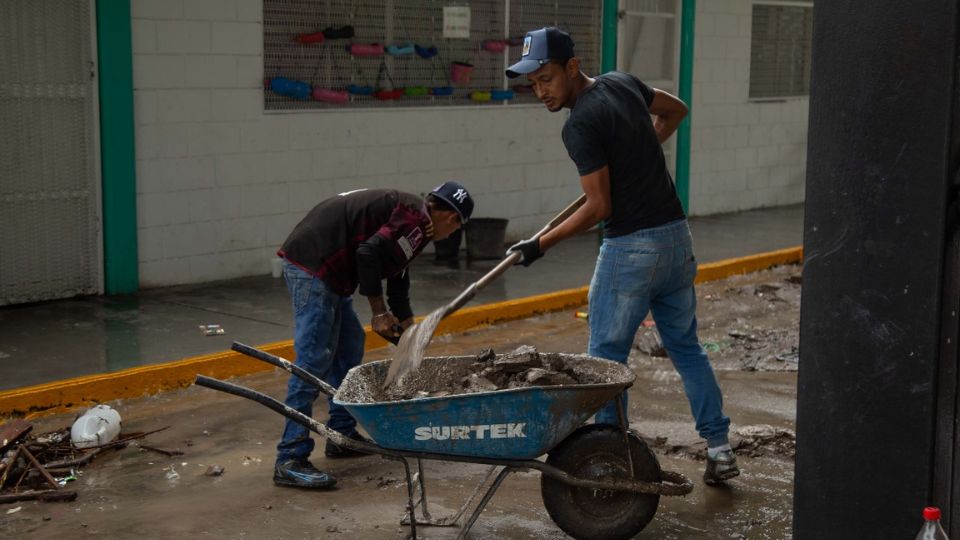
[{"x": 99, "y": 425}]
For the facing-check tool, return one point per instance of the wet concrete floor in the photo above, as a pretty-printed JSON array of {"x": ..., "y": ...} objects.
[
  {"x": 61, "y": 339},
  {"x": 132, "y": 493}
]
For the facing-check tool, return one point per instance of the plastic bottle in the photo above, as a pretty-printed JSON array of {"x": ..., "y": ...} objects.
[
  {"x": 931, "y": 528},
  {"x": 99, "y": 425}
]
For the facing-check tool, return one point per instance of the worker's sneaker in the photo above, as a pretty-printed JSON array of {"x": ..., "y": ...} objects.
[
  {"x": 302, "y": 474},
  {"x": 721, "y": 467},
  {"x": 334, "y": 451}
]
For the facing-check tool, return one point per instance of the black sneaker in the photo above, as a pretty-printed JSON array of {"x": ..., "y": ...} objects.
[
  {"x": 721, "y": 468},
  {"x": 334, "y": 451},
  {"x": 302, "y": 474}
]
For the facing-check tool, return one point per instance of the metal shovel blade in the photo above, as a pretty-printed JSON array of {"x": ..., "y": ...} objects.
[{"x": 414, "y": 341}]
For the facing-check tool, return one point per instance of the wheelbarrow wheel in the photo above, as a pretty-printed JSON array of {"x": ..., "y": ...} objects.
[{"x": 596, "y": 451}]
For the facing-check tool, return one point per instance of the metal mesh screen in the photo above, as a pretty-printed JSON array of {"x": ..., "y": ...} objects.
[
  {"x": 49, "y": 240},
  {"x": 780, "y": 50},
  {"x": 330, "y": 66}
]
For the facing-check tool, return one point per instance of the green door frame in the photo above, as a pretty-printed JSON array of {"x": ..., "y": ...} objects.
[
  {"x": 608, "y": 33},
  {"x": 689, "y": 9},
  {"x": 608, "y": 62},
  {"x": 117, "y": 151}
]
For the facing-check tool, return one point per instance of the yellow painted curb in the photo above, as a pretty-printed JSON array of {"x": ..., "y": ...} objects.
[{"x": 59, "y": 396}]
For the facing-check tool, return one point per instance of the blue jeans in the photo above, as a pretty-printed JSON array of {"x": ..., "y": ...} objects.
[
  {"x": 652, "y": 270},
  {"x": 328, "y": 340}
]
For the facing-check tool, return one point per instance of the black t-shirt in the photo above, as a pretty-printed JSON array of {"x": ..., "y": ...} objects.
[{"x": 611, "y": 125}]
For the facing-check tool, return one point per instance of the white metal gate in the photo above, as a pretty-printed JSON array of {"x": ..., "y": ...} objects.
[{"x": 49, "y": 196}]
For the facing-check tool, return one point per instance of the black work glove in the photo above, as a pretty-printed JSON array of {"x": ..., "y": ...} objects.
[{"x": 529, "y": 249}]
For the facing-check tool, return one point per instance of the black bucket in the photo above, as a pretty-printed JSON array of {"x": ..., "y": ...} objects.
[
  {"x": 448, "y": 249},
  {"x": 486, "y": 238}
]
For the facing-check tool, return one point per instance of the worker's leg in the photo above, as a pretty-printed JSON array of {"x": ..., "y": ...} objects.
[
  {"x": 618, "y": 303},
  {"x": 674, "y": 308},
  {"x": 316, "y": 312},
  {"x": 349, "y": 353}
]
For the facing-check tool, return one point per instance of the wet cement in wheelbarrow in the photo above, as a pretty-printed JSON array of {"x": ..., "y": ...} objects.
[{"x": 131, "y": 493}]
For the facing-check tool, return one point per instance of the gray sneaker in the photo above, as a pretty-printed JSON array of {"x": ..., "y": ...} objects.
[
  {"x": 302, "y": 474},
  {"x": 721, "y": 468}
]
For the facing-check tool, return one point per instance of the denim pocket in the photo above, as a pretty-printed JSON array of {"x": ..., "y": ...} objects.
[
  {"x": 689, "y": 266},
  {"x": 300, "y": 285},
  {"x": 634, "y": 272}
]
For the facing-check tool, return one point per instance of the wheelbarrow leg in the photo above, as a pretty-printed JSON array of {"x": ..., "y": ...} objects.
[
  {"x": 451, "y": 520},
  {"x": 411, "y": 506},
  {"x": 423, "y": 491},
  {"x": 624, "y": 427},
  {"x": 483, "y": 502}
]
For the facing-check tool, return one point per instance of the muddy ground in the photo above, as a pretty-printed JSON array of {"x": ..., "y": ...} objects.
[{"x": 749, "y": 324}]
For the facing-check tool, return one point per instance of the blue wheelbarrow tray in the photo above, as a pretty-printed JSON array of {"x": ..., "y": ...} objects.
[{"x": 516, "y": 423}]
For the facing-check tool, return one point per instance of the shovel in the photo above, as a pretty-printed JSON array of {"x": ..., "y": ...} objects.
[{"x": 414, "y": 341}]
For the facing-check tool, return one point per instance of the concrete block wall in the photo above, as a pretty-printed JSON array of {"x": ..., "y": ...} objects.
[
  {"x": 744, "y": 154},
  {"x": 220, "y": 184}
]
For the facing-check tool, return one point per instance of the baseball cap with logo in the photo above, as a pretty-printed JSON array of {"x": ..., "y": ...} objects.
[
  {"x": 541, "y": 46},
  {"x": 457, "y": 197}
]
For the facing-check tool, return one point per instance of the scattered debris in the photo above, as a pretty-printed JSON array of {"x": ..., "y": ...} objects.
[
  {"x": 168, "y": 453},
  {"x": 214, "y": 470},
  {"x": 49, "y": 495},
  {"x": 97, "y": 426},
  {"x": 761, "y": 440},
  {"x": 710, "y": 346},
  {"x": 649, "y": 342},
  {"x": 12, "y": 432},
  {"x": 37, "y": 467},
  {"x": 172, "y": 474},
  {"x": 14, "y": 510},
  {"x": 581, "y": 315},
  {"x": 212, "y": 330}
]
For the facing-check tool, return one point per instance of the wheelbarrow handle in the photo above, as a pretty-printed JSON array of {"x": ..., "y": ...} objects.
[
  {"x": 318, "y": 427},
  {"x": 285, "y": 365}
]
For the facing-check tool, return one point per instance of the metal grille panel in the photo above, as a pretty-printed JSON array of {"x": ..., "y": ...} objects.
[
  {"x": 49, "y": 239},
  {"x": 328, "y": 65},
  {"x": 780, "y": 50}
]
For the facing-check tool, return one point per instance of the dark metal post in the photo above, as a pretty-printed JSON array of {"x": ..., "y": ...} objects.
[{"x": 873, "y": 380}]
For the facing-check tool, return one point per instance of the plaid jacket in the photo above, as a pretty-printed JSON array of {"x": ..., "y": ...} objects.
[{"x": 325, "y": 242}]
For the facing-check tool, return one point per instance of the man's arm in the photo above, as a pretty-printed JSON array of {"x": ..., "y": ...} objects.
[
  {"x": 597, "y": 207},
  {"x": 398, "y": 298},
  {"x": 369, "y": 254},
  {"x": 668, "y": 111}
]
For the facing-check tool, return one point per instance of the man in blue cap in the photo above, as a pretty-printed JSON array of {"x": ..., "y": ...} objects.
[
  {"x": 350, "y": 241},
  {"x": 646, "y": 261}
]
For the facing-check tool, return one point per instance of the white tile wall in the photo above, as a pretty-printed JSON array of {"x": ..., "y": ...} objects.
[
  {"x": 220, "y": 184},
  {"x": 743, "y": 154}
]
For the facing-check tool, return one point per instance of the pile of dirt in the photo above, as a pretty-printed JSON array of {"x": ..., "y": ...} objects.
[
  {"x": 520, "y": 368},
  {"x": 485, "y": 372}
]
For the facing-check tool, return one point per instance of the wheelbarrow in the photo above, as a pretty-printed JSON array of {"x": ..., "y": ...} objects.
[{"x": 598, "y": 482}]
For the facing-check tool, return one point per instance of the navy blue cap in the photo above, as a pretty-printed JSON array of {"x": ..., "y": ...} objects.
[
  {"x": 541, "y": 46},
  {"x": 456, "y": 196}
]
